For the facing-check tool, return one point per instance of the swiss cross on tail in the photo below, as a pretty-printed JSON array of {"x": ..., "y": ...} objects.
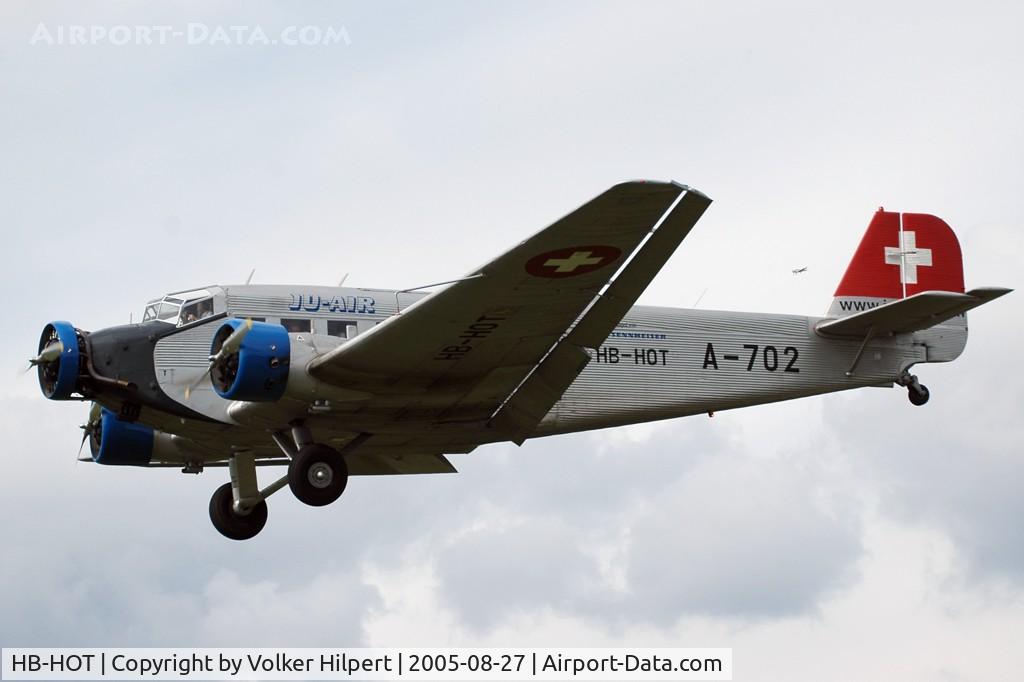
[
  {"x": 908, "y": 256},
  {"x": 572, "y": 261},
  {"x": 901, "y": 255}
]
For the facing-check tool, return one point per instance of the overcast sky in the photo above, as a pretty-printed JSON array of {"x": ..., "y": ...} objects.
[{"x": 850, "y": 536}]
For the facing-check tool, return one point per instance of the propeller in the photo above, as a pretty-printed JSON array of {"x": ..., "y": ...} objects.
[
  {"x": 52, "y": 352},
  {"x": 227, "y": 349},
  {"x": 312, "y": 344},
  {"x": 89, "y": 428}
]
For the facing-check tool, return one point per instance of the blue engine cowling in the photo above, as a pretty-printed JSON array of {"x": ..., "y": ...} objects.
[
  {"x": 258, "y": 371},
  {"x": 121, "y": 443},
  {"x": 58, "y": 378}
]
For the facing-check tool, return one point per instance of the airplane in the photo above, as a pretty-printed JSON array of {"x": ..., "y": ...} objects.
[
  {"x": 545, "y": 339},
  {"x": 797, "y": 271}
]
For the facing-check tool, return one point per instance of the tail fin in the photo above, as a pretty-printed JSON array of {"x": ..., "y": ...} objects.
[
  {"x": 907, "y": 277},
  {"x": 901, "y": 254}
]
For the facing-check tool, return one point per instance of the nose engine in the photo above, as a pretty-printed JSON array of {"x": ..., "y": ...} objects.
[
  {"x": 65, "y": 364},
  {"x": 60, "y": 362},
  {"x": 114, "y": 366}
]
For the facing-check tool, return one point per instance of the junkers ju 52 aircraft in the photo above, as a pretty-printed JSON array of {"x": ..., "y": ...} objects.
[{"x": 544, "y": 339}]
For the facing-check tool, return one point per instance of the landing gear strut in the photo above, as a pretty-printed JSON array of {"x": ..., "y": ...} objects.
[
  {"x": 917, "y": 392},
  {"x": 238, "y": 509},
  {"x": 317, "y": 475}
]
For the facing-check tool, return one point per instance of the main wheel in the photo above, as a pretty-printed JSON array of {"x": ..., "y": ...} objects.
[
  {"x": 918, "y": 396},
  {"x": 230, "y": 523},
  {"x": 317, "y": 475}
]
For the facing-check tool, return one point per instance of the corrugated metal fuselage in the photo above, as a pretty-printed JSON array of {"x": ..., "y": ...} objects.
[{"x": 659, "y": 363}]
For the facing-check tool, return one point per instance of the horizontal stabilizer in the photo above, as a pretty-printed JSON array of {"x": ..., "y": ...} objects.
[{"x": 912, "y": 314}]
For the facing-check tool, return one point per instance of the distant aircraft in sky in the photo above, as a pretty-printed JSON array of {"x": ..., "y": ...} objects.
[
  {"x": 797, "y": 271},
  {"x": 544, "y": 339}
]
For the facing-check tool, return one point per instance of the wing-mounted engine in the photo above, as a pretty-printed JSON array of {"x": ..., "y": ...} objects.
[
  {"x": 250, "y": 361},
  {"x": 117, "y": 442},
  {"x": 121, "y": 443}
]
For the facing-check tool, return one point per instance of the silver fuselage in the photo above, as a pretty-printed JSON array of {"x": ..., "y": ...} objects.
[{"x": 658, "y": 363}]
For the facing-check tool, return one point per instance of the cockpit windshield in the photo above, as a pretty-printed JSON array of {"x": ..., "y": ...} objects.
[
  {"x": 166, "y": 309},
  {"x": 181, "y": 308}
]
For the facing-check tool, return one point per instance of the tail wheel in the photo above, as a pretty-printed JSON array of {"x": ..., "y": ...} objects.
[
  {"x": 230, "y": 523},
  {"x": 918, "y": 395},
  {"x": 317, "y": 475}
]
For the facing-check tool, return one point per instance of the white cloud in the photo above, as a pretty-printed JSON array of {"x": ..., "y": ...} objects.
[{"x": 907, "y": 615}]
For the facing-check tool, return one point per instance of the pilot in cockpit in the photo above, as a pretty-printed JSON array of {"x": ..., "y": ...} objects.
[{"x": 197, "y": 311}]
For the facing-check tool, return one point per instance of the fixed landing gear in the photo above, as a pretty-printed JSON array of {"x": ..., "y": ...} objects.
[
  {"x": 917, "y": 392},
  {"x": 918, "y": 395},
  {"x": 234, "y": 524},
  {"x": 238, "y": 509},
  {"x": 317, "y": 475}
]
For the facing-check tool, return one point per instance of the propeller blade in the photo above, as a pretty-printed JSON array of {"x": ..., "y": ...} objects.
[
  {"x": 312, "y": 344},
  {"x": 229, "y": 347},
  {"x": 88, "y": 428},
  {"x": 195, "y": 384},
  {"x": 48, "y": 354},
  {"x": 85, "y": 437},
  {"x": 234, "y": 342}
]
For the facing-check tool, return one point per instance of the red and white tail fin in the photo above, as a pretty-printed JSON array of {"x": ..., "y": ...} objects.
[{"x": 900, "y": 255}]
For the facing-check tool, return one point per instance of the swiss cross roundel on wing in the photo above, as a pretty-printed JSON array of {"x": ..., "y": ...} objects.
[{"x": 572, "y": 261}]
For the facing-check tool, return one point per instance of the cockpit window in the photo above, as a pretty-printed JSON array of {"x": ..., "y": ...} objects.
[
  {"x": 166, "y": 309},
  {"x": 180, "y": 308},
  {"x": 196, "y": 310}
]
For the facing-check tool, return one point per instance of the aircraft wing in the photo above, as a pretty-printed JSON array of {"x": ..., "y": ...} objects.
[
  {"x": 457, "y": 355},
  {"x": 911, "y": 314},
  {"x": 380, "y": 464},
  {"x": 552, "y": 376}
]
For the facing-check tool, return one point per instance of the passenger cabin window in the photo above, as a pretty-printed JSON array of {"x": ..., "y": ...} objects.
[
  {"x": 296, "y": 325},
  {"x": 345, "y": 329}
]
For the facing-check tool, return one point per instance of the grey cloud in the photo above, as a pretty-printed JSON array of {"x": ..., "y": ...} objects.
[
  {"x": 708, "y": 530},
  {"x": 493, "y": 573},
  {"x": 137, "y": 597},
  {"x": 323, "y": 611},
  {"x": 936, "y": 467},
  {"x": 956, "y": 463},
  {"x": 742, "y": 538}
]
